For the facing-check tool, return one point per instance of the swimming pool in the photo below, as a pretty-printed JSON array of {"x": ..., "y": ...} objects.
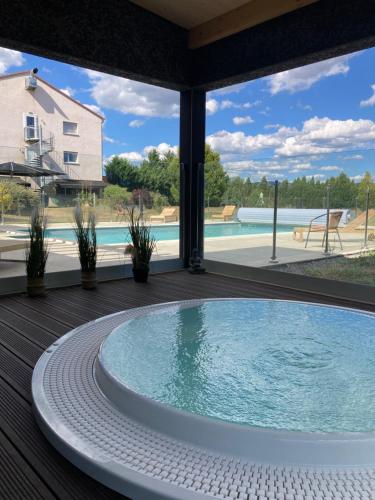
[{"x": 119, "y": 235}]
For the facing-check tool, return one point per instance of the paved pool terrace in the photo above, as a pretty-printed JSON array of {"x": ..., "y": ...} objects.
[{"x": 251, "y": 250}]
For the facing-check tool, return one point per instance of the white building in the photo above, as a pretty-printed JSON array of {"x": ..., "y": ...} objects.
[{"x": 43, "y": 126}]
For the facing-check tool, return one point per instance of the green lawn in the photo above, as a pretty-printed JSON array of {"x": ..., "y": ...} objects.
[{"x": 354, "y": 270}]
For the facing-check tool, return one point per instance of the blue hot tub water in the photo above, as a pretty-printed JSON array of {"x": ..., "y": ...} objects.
[{"x": 273, "y": 364}]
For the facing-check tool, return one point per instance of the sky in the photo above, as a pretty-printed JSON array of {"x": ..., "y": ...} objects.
[{"x": 316, "y": 120}]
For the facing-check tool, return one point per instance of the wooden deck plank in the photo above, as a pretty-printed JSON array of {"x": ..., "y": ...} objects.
[
  {"x": 18, "y": 424},
  {"x": 16, "y": 373},
  {"x": 27, "y": 326},
  {"x": 18, "y": 479},
  {"x": 19, "y": 345}
]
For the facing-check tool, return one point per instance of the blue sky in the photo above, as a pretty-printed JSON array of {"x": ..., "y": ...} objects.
[{"x": 317, "y": 120}]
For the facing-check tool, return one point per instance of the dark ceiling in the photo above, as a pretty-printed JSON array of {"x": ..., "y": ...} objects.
[{"x": 118, "y": 37}]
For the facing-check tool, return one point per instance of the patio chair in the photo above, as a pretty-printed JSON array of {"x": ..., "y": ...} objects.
[
  {"x": 10, "y": 245},
  {"x": 227, "y": 213},
  {"x": 333, "y": 226},
  {"x": 354, "y": 226},
  {"x": 168, "y": 214},
  {"x": 120, "y": 213}
]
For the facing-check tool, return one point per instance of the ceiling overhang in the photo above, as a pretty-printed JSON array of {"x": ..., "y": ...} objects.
[
  {"x": 124, "y": 39},
  {"x": 208, "y": 21}
]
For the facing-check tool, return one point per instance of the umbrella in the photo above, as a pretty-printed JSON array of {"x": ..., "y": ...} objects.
[{"x": 12, "y": 168}]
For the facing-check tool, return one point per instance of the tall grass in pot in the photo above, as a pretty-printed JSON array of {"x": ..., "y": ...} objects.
[
  {"x": 85, "y": 231},
  {"x": 141, "y": 247},
  {"x": 36, "y": 254}
]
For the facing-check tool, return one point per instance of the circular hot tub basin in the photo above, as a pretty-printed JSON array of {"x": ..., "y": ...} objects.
[
  {"x": 172, "y": 400},
  {"x": 229, "y": 374}
]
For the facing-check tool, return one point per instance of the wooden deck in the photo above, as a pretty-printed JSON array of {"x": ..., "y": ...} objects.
[{"x": 30, "y": 468}]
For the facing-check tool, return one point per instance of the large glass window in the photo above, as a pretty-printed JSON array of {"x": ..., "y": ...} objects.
[
  {"x": 113, "y": 145},
  {"x": 302, "y": 140}
]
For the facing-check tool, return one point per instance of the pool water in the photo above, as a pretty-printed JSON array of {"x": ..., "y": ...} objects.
[
  {"x": 273, "y": 364},
  {"x": 119, "y": 235}
]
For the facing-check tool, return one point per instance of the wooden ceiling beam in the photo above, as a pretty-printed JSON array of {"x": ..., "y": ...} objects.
[{"x": 246, "y": 16}]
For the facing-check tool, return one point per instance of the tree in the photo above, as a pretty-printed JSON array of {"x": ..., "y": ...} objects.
[
  {"x": 116, "y": 195},
  {"x": 13, "y": 196},
  {"x": 122, "y": 172},
  {"x": 238, "y": 191},
  {"x": 216, "y": 179},
  {"x": 343, "y": 192},
  {"x": 366, "y": 184}
]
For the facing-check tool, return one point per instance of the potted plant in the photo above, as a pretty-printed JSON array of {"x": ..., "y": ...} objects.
[
  {"x": 36, "y": 254},
  {"x": 141, "y": 247},
  {"x": 86, "y": 238}
]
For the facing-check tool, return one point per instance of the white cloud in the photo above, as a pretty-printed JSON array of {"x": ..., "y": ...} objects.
[
  {"x": 136, "y": 156},
  {"x": 353, "y": 157},
  {"x": 266, "y": 173},
  {"x": 315, "y": 176},
  {"x": 109, "y": 139},
  {"x": 295, "y": 80},
  {"x": 136, "y": 123},
  {"x": 237, "y": 142},
  {"x": 130, "y": 97},
  {"x": 228, "y": 104},
  {"x": 163, "y": 148},
  {"x": 95, "y": 108},
  {"x": 357, "y": 178},
  {"x": 272, "y": 125},
  {"x": 212, "y": 106},
  {"x": 242, "y": 120},
  {"x": 248, "y": 105},
  {"x": 370, "y": 101},
  {"x": 330, "y": 168},
  {"x": 323, "y": 135},
  {"x": 300, "y": 167},
  {"x": 265, "y": 111},
  {"x": 294, "y": 148},
  {"x": 10, "y": 58},
  {"x": 305, "y": 107},
  {"x": 68, "y": 91},
  {"x": 130, "y": 155}
]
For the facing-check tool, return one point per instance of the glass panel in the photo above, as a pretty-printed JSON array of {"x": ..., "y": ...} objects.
[
  {"x": 299, "y": 128},
  {"x": 124, "y": 157},
  {"x": 30, "y": 121}
]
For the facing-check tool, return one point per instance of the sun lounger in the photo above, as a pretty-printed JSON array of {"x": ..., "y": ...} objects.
[
  {"x": 227, "y": 213},
  {"x": 168, "y": 214},
  {"x": 10, "y": 245}
]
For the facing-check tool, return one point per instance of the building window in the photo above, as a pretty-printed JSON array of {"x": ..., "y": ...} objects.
[
  {"x": 70, "y": 128},
  {"x": 70, "y": 157},
  {"x": 31, "y": 127}
]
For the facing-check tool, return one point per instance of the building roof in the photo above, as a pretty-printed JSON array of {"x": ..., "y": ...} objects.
[{"x": 26, "y": 73}]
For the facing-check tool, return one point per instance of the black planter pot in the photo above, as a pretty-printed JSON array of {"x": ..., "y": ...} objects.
[{"x": 140, "y": 274}]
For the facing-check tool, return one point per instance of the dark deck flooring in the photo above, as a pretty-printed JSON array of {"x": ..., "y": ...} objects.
[{"x": 29, "y": 467}]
